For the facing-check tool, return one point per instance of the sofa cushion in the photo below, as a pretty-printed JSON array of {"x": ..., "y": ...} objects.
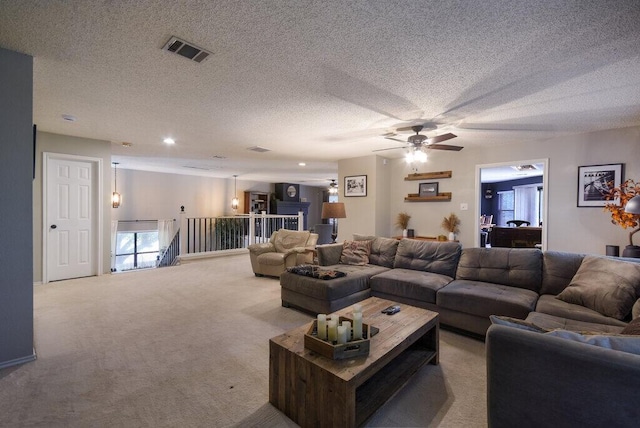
[
  {"x": 632, "y": 328},
  {"x": 515, "y": 267},
  {"x": 630, "y": 344},
  {"x": 548, "y": 304},
  {"x": 558, "y": 268},
  {"x": 516, "y": 323},
  {"x": 383, "y": 250},
  {"x": 355, "y": 252},
  {"x": 552, "y": 322},
  {"x": 428, "y": 256},
  {"x": 288, "y": 239},
  {"x": 607, "y": 286},
  {"x": 485, "y": 298},
  {"x": 272, "y": 259},
  {"x": 410, "y": 284},
  {"x": 357, "y": 279}
]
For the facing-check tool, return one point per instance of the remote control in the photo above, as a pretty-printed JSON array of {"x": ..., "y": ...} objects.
[{"x": 391, "y": 310}]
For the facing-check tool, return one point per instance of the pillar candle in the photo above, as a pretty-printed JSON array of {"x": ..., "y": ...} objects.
[
  {"x": 347, "y": 325},
  {"x": 322, "y": 326},
  {"x": 357, "y": 307},
  {"x": 342, "y": 334},
  {"x": 332, "y": 330},
  {"x": 357, "y": 325}
]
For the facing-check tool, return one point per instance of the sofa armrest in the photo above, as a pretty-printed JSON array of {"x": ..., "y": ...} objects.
[
  {"x": 329, "y": 254},
  {"x": 537, "y": 380},
  {"x": 258, "y": 249}
]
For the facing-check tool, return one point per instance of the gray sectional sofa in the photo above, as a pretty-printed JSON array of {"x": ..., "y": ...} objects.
[
  {"x": 554, "y": 362},
  {"x": 465, "y": 286}
]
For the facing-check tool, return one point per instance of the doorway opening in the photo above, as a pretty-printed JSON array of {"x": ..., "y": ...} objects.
[{"x": 514, "y": 194}]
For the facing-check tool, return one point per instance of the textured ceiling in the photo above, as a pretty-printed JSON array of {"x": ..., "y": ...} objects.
[{"x": 319, "y": 81}]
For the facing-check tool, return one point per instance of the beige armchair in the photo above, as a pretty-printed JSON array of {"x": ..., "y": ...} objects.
[{"x": 285, "y": 248}]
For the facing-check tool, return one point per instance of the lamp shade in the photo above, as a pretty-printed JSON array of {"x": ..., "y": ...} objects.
[
  {"x": 632, "y": 207},
  {"x": 333, "y": 210}
]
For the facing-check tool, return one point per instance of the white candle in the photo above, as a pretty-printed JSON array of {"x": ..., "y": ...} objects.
[
  {"x": 322, "y": 326},
  {"x": 357, "y": 325},
  {"x": 342, "y": 334},
  {"x": 357, "y": 307},
  {"x": 333, "y": 330},
  {"x": 347, "y": 325}
]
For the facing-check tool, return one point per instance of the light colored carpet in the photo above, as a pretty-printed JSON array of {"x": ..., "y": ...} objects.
[{"x": 188, "y": 346}]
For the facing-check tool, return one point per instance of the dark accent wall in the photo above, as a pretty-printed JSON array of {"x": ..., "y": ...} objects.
[
  {"x": 16, "y": 211},
  {"x": 490, "y": 206}
]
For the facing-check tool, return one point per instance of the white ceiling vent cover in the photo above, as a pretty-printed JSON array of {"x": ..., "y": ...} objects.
[{"x": 186, "y": 49}]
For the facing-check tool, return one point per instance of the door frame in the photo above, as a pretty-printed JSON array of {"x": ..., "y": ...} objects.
[
  {"x": 545, "y": 193},
  {"x": 96, "y": 205}
]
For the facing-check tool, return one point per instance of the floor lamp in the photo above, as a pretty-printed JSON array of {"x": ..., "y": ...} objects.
[{"x": 334, "y": 210}]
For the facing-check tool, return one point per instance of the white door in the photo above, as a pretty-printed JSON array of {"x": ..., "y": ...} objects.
[{"x": 70, "y": 219}]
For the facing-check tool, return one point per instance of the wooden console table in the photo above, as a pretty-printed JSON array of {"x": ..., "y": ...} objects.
[
  {"x": 516, "y": 237},
  {"x": 315, "y": 391}
]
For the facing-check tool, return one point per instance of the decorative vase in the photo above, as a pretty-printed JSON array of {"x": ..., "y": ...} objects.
[
  {"x": 452, "y": 236},
  {"x": 405, "y": 233},
  {"x": 632, "y": 251}
]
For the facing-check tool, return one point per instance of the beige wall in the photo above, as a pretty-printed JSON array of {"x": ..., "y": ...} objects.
[
  {"x": 570, "y": 228},
  {"x": 54, "y": 143},
  {"x": 368, "y": 215}
]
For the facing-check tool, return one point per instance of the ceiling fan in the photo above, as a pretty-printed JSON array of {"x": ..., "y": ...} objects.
[{"x": 419, "y": 141}]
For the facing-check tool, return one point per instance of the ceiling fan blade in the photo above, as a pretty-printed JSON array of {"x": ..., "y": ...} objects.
[
  {"x": 444, "y": 147},
  {"x": 396, "y": 139},
  {"x": 439, "y": 138},
  {"x": 390, "y": 148}
]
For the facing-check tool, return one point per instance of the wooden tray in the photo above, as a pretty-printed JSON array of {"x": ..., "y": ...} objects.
[{"x": 354, "y": 348}]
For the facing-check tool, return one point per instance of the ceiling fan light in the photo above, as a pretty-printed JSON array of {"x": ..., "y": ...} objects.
[
  {"x": 420, "y": 156},
  {"x": 409, "y": 157}
]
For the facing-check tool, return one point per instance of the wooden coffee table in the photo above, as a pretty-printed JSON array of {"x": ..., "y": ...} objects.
[{"x": 314, "y": 390}]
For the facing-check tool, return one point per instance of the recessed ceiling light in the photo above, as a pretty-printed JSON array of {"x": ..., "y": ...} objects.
[
  {"x": 69, "y": 118},
  {"x": 169, "y": 140},
  {"x": 302, "y": 164},
  {"x": 127, "y": 145}
]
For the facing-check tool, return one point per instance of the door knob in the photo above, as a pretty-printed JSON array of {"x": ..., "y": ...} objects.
[{"x": 53, "y": 226}]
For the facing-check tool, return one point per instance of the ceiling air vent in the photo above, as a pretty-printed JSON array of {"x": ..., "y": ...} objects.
[
  {"x": 186, "y": 49},
  {"x": 258, "y": 149}
]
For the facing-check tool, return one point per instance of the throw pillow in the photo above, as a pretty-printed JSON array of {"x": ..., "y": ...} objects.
[
  {"x": 355, "y": 252},
  {"x": 516, "y": 323},
  {"x": 632, "y": 328},
  {"x": 635, "y": 311},
  {"x": 607, "y": 286},
  {"x": 629, "y": 344}
]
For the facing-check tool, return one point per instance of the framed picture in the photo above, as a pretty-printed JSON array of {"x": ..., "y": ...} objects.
[
  {"x": 355, "y": 185},
  {"x": 595, "y": 182},
  {"x": 428, "y": 189}
]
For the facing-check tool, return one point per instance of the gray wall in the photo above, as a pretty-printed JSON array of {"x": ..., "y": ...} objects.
[{"x": 16, "y": 252}]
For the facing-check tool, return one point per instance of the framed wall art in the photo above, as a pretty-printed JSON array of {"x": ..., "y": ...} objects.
[
  {"x": 355, "y": 185},
  {"x": 427, "y": 190},
  {"x": 595, "y": 182}
]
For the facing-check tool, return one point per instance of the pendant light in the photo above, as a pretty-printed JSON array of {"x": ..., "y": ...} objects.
[
  {"x": 333, "y": 187},
  {"x": 235, "y": 201},
  {"x": 115, "y": 196}
]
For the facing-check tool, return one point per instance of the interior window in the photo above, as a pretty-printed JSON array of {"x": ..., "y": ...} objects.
[{"x": 505, "y": 207}]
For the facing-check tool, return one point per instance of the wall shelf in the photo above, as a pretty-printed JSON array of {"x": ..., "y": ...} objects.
[
  {"x": 428, "y": 175},
  {"x": 441, "y": 197}
]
